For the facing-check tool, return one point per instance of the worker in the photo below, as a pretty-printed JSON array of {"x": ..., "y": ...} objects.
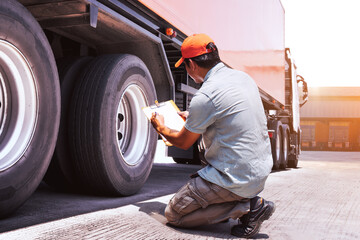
[{"x": 227, "y": 111}]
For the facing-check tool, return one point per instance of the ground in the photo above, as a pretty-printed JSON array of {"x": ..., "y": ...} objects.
[{"x": 317, "y": 200}]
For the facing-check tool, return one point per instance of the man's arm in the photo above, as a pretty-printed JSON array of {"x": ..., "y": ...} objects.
[{"x": 182, "y": 139}]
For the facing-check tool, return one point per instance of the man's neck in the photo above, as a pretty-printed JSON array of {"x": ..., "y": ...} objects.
[{"x": 203, "y": 72}]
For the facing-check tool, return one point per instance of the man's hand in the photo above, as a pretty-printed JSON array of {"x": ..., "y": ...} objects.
[
  {"x": 184, "y": 114},
  {"x": 157, "y": 121},
  {"x": 182, "y": 139}
]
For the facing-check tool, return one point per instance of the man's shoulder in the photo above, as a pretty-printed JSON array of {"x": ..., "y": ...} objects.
[
  {"x": 201, "y": 98},
  {"x": 230, "y": 72}
]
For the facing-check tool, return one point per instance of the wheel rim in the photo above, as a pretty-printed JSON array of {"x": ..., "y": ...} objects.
[
  {"x": 285, "y": 146},
  {"x": 278, "y": 142},
  {"x": 132, "y": 125},
  {"x": 18, "y": 106}
]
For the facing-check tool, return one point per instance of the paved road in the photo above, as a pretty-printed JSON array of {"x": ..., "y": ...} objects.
[{"x": 318, "y": 200}]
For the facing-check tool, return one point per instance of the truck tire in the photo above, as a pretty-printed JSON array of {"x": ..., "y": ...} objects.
[
  {"x": 276, "y": 143},
  {"x": 285, "y": 146},
  {"x": 29, "y": 105},
  {"x": 113, "y": 143},
  {"x": 293, "y": 161},
  {"x": 294, "y": 158},
  {"x": 61, "y": 173}
]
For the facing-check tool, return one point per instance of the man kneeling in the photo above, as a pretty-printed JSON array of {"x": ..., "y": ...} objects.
[{"x": 227, "y": 111}]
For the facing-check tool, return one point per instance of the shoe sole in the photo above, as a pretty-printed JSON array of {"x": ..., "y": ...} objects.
[{"x": 267, "y": 214}]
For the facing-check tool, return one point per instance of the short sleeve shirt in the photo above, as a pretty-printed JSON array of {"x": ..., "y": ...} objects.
[{"x": 228, "y": 112}]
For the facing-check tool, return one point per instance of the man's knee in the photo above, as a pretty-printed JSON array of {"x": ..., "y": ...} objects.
[{"x": 172, "y": 216}]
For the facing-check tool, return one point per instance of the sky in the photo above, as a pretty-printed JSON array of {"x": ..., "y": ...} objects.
[{"x": 324, "y": 39}]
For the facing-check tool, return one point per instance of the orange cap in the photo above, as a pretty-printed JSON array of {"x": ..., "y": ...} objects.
[{"x": 193, "y": 46}]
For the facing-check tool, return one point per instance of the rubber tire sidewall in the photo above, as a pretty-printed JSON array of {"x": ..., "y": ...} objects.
[
  {"x": 18, "y": 182},
  {"x": 294, "y": 158},
  {"x": 61, "y": 173}
]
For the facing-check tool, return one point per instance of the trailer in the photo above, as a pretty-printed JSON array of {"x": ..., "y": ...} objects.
[{"x": 75, "y": 74}]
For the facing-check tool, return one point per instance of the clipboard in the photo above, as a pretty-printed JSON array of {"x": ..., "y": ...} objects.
[{"x": 170, "y": 111}]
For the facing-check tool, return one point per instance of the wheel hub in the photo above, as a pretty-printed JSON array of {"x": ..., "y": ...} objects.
[
  {"x": 18, "y": 104},
  {"x": 132, "y": 125}
]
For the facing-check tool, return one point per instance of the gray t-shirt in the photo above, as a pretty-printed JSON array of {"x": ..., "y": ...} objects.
[{"x": 228, "y": 112}]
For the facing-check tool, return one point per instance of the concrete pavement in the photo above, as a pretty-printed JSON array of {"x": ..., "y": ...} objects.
[{"x": 318, "y": 200}]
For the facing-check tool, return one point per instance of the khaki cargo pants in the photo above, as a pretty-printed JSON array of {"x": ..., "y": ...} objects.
[{"x": 200, "y": 202}]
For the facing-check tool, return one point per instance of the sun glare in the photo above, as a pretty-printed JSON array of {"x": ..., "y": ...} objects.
[{"x": 324, "y": 40}]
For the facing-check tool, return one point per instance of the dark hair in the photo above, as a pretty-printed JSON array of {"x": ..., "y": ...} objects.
[{"x": 207, "y": 60}]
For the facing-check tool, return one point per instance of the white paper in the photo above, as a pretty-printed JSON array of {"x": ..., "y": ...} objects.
[{"x": 169, "y": 110}]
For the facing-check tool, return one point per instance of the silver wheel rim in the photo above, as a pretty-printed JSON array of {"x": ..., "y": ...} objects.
[
  {"x": 278, "y": 142},
  {"x": 132, "y": 125},
  {"x": 285, "y": 146},
  {"x": 18, "y": 106}
]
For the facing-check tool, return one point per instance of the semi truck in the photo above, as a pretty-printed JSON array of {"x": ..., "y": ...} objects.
[{"x": 75, "y": 74}]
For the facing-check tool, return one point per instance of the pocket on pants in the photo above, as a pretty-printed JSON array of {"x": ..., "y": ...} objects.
[
  {"x": 181, "y": 201},
  {"x": 180, "y": 204}
]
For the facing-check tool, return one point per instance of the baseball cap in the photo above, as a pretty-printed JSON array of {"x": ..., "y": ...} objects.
[{"x": 193, "y": 46}]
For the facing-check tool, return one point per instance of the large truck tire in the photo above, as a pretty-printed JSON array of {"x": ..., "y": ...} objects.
[
  {"x": 294, "y": 157},
  {"x": 61, "y": 173},
  {"x": 293, "y": 161},
  {"x": 285, "y": 146},
  {"x": 29, "y": 105},
  {"x": 276, "y": 143},
  {"x": 113, "y": 143}
]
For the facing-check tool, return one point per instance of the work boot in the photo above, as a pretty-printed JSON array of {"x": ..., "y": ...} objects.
[{"x": 260, "y": 210}]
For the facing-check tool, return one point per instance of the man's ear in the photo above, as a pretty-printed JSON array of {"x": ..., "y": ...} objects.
[{"x": 192, "y": 65}]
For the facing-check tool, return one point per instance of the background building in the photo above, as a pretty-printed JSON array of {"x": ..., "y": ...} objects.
[{"x": 330, "y": 120}]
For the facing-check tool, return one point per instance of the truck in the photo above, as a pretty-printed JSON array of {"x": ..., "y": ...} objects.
[{"x": 75, "y": 75}]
